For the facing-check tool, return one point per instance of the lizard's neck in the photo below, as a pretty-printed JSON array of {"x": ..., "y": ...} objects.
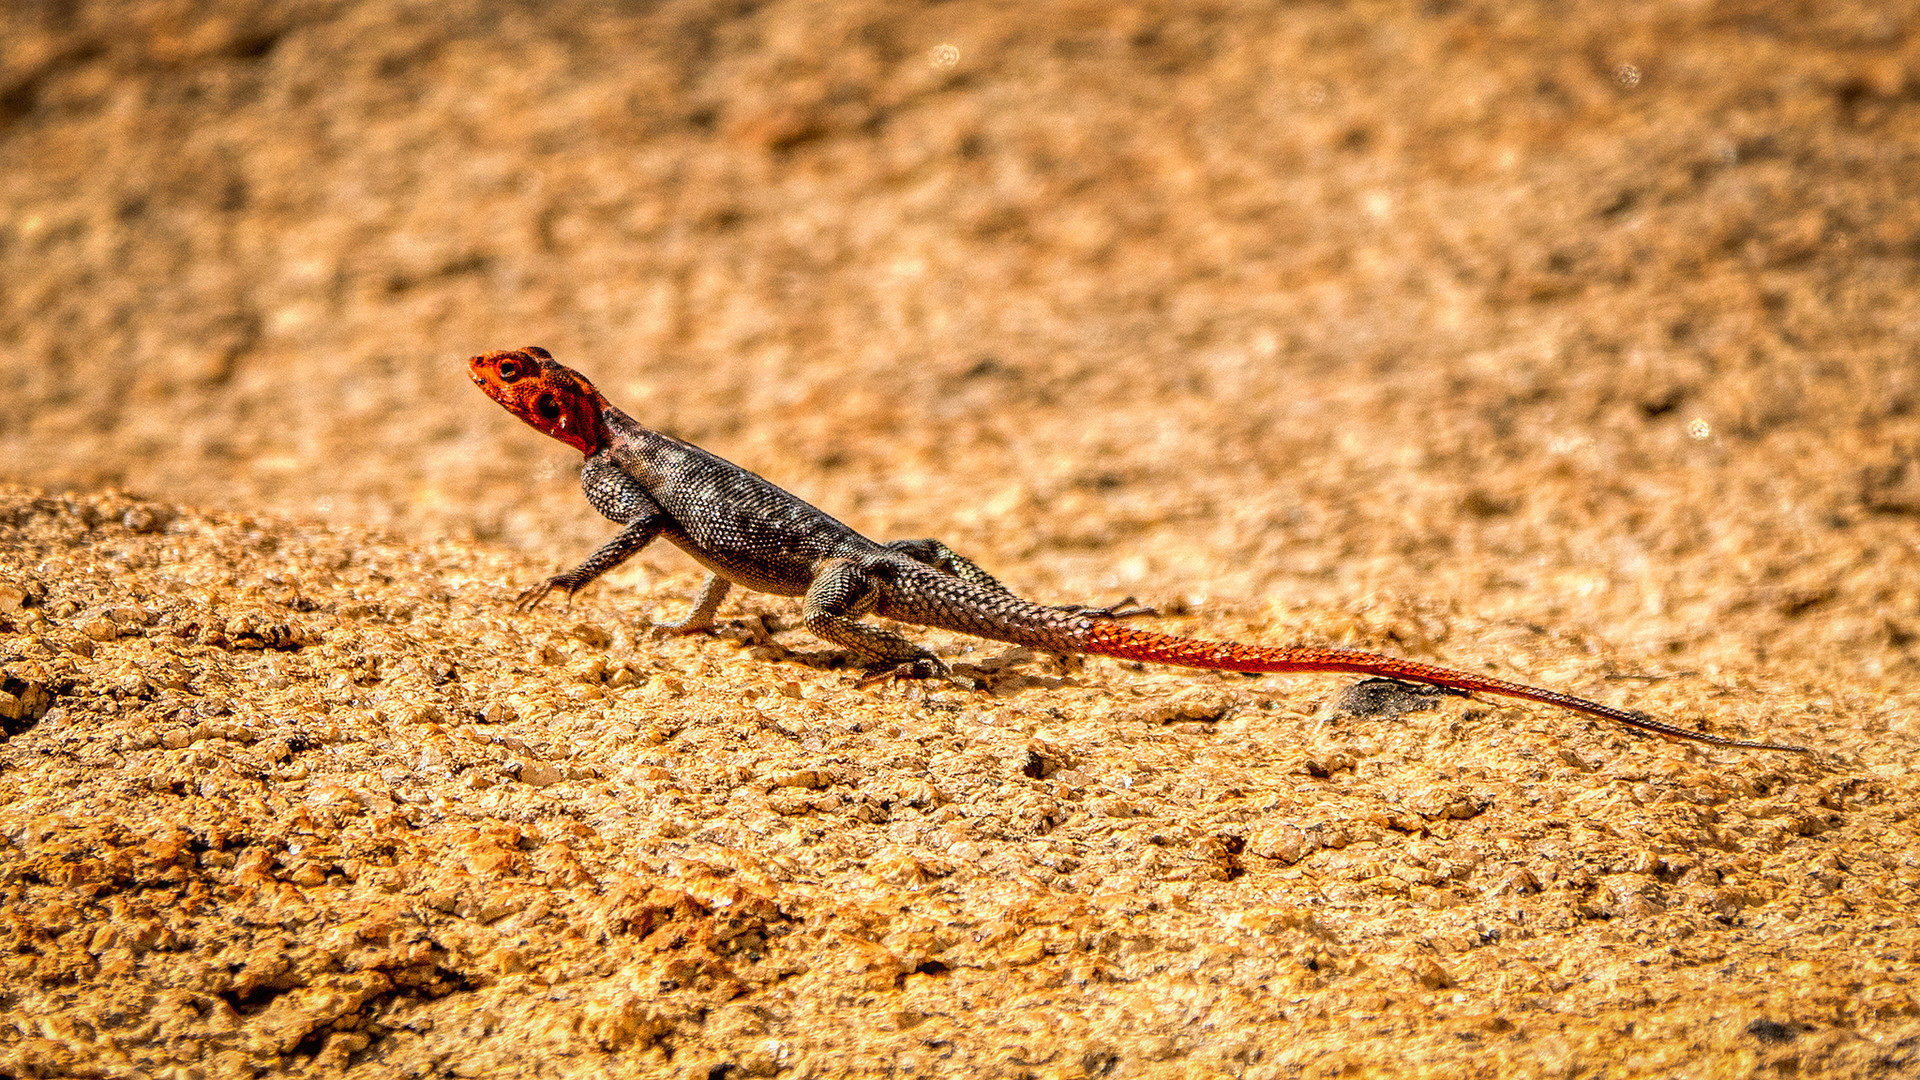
[
  {"x": 581, "y": 424},
  {"x": 563, "y": 405}
]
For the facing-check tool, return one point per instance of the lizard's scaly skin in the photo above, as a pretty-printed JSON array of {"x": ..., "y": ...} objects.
[{"x": 747, "y": 531}]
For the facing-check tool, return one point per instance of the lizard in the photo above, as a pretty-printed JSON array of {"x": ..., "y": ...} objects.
[{"x": 747, "y": 531}]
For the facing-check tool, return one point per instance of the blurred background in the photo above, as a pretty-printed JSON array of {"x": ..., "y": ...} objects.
[{"x": 1588, "y": 317}]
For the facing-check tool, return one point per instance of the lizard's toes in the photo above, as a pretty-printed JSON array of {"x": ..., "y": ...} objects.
[
  {"x": 924, "y": 667},
  {"x": 1125, "y": 609}
]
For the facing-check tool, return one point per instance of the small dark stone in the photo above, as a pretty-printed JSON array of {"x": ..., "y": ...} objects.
[
  {"x": 1386, "y": 699},
  {"x": 1771, "y": 1031}
]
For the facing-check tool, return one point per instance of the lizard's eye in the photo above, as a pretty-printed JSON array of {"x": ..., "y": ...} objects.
[
  {"x": 509, "y": 371},
  {"x": 547, "y": 407}
]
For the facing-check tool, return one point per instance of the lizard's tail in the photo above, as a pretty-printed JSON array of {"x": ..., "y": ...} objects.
[{"x": 1108, "y": 638}]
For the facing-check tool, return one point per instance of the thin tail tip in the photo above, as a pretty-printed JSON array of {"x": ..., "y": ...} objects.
[
  {"x": 1642, "y": 718},
  {"x": 1750, "y": 744}
]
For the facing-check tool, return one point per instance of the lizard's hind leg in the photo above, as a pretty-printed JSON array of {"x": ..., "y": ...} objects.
[
  {"x": 933, "y": 553},
  {"x": 841, "y": 592}
]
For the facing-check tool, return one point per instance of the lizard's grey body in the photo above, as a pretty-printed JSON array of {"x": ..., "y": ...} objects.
[{"x": 748, "y": 531}]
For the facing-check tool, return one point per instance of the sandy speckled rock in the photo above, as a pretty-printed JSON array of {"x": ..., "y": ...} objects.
[
  {"x": 343, "y": 853},
  {"x": 1571, "y": 344}
]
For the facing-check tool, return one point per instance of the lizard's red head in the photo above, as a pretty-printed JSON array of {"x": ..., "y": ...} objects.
[{"x": 552, "y": 398}]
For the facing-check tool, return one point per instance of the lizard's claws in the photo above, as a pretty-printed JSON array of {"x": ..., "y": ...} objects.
[
  {"x": 530, "y": 598},
  {"x": 1125, "y": 609},
  {"x": 924, "y": 667}
]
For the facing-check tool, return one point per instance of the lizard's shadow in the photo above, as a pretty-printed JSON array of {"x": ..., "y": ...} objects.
[{"x": 996, "y": 675}]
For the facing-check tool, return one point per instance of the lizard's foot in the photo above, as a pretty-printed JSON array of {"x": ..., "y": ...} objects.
[
  {"x": 680, "y": 627},
  {"x": 1125, "y": 609},
  {"x": 923, "y": 667},
  {"x": 530, "y": 598}
]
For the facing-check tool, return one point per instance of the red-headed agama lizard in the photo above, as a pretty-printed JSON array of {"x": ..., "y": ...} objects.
[{"x": 746, "y": 531}]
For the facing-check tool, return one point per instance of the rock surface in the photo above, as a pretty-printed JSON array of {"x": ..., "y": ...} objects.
[{"x": 1577, "y": 346}]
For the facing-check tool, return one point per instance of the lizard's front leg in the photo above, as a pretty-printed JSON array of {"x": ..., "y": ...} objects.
[
  {"x": 841, "y": 592},
  {"x": 946, "y": 560},
  {"x": 622, "y": 547}
]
